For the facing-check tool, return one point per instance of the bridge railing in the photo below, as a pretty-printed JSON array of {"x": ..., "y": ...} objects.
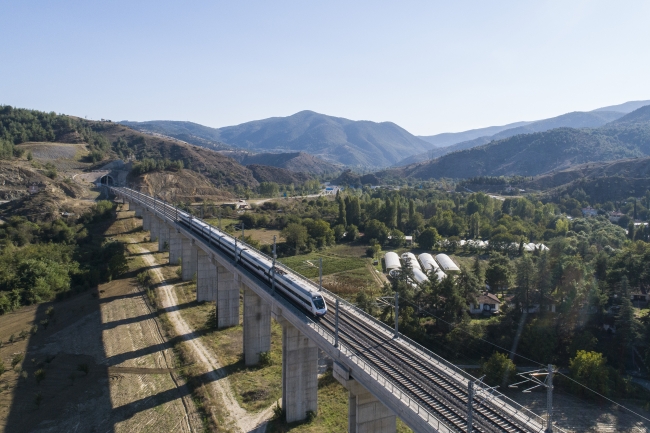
[{"x": 497, "y": 399}]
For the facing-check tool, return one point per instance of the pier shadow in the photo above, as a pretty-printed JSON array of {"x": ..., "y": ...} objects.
[{"x": 73, "y": 392}]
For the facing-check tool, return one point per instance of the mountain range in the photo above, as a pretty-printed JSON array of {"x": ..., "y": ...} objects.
[
  {"x": 357, "y": 144},
  {"x": 576, "y": 119},
  {"x": 361, "y": 144},
  {"x": 540, "y": 152}
]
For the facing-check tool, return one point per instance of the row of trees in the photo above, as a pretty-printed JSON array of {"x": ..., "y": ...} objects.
[{"x": 147, "y": 165}]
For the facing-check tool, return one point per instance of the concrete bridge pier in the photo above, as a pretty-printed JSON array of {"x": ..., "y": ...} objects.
[
  {"x": 206, "y": 278},
  {"x": 163, "y": 235},
  {"x": 137, "y": 209},
  {"x": 189, "y": 253},
  {"x": 175, "y": 246},
  {"x": 366, "y": 414},
  {"x": 227, "y": 298},
  {"x": 154, "y": 225},
  {"x": 126, "y": 206},
  {"x": 257, "y": 326},
  {"x": 146, "y": 220},
  {"x": 299, "y": 373}
]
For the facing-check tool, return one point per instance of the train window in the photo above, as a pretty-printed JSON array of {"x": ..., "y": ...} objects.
[{"x": 318, "y": 302}]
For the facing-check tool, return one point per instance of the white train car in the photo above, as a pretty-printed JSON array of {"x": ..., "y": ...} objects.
[{"x": 255, "y": 262}]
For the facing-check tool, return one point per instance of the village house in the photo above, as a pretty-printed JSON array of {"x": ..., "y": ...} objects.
[{"x": 486, "y": 303}]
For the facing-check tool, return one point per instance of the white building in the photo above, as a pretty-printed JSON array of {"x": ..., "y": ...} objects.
[
  {"x": 486, "y": 303},
  {"x": 447, "y": 264},
  {"x": 410, "y": 258},
  {"x": 428, "y": 263},
  {"x": 392, "y": 261}
]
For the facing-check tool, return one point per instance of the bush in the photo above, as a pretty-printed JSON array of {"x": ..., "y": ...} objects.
[
  {"x": 352, "y": 234},
  {"x": 39, "y": 375},
  {"x": 17, "y": 359},
  {"x": 591, "y": 368},
  {"x": 498, "y": 370},
  {"x": 265, "y": 359}
]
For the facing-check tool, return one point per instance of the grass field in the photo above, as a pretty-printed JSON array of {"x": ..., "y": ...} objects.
[
  {"x": 225, "y": 222},
  {"x": 264, "y": 236},
  {"x": 307, "y": 264}
]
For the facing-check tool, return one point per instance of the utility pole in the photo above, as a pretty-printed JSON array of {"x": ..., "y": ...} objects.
[
  {"x": 396, "y": 315},
  {"x": 275, "y": 256},
  {"x": 549, "y": 400},
  {"x": 320, "y": 274},
  {"x": 336, "y": 324},
  {"x": 533, "y": 376},
  {"x": 470, "y": 405}
]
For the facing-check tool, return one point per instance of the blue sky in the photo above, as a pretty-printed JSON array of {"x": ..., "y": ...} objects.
[{"x": 429, "y": 66}]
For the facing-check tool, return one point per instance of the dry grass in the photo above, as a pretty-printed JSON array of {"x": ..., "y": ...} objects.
[{"x": 264, "y": 236}]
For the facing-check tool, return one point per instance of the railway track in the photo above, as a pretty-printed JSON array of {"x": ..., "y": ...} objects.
[
  {"x": 437, "y": 388},
  {"x": 445, "y": 395}
]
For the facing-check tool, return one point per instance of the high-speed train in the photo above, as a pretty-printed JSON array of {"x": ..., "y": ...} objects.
[{"x": 253, "y": 261}]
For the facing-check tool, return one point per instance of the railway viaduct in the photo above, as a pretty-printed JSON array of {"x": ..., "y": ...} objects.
[{"x": 387, "y": 377}]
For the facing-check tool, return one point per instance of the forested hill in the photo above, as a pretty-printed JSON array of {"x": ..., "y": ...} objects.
[
  {"x": 577, "y": 119},
  {"x": 352, "y": 143},
  {"x": 190, "y": 132},
  {"x": 299, "y": 162},
  {"x": 543, "y": 152},
  {"x": 602, "y": 181},
  {"x": 107, "y": 140}
]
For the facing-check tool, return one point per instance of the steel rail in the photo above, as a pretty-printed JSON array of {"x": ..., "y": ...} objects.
[
  {"x": 443, "y": 370},
  {"x": 413, "y": 367}
]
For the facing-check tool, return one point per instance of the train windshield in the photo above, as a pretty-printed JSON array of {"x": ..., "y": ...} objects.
[{"x": 318, "y": 302}]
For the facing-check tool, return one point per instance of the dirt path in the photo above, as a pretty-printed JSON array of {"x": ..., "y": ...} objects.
[
  {"x": 137, "y": 332},
  {"x": 240, "y": 418}
]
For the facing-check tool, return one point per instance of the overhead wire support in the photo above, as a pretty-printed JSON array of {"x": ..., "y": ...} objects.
[
  {"x": 533, "y": 377},
  {"x": 275, "y": 256},
  {"x": 336, "y": 324}
]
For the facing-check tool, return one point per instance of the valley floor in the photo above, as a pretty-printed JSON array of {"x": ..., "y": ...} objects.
[{"x": 121, "y": 359}]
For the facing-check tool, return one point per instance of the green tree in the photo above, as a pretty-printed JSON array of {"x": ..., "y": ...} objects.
[
  {"x": 525, "y": 281},
  {"x": 339, "y": 231},
  {"x": 320, "y": 231},
  {"x": 499, "y": 370},
  {"x": 589, "y": 368},
  {"x": 477, "y": 269},
  {"x": 468, "y": 285},
  {"x": 353, "y": 210},
  {"x": 626, "y": 324},
  {"x": 376, "y": 230},
  {"x": 295, "y": 234},
  {"x": 630, "y": 230},
  {"x": 498, "y": 273},
  {"x": 429, "y": 238},
  {"x": 352, "y": 233},
  {"x": 475, "y": 225},
  {"x": 269, "y": 189},
  {"x": 342, "y": 218}
]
